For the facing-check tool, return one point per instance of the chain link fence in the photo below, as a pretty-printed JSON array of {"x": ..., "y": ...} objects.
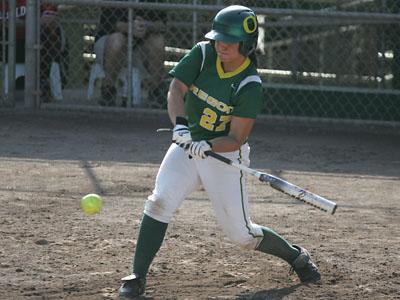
[{"x": 317, "y": 58}]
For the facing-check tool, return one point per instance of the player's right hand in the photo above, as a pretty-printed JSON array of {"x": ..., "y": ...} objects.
[
  {"x": 198, "y": 149},
  {"x": 180, "y": 133}
]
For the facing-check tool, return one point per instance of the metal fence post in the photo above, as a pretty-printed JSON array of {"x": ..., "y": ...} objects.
[
  {"x": 3, "y": 54},
  {"x": 30, "y": 55},
  {"x": 130, "y": 59},
  {"x": 11, "y": 53},
  {"x": 295, "y": 50},
  {"x": 382, "y": 51},
  {"x": 194, "y": 24}
]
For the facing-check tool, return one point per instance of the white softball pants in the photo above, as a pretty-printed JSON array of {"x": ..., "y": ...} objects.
[{"x": 178, "y": 176}]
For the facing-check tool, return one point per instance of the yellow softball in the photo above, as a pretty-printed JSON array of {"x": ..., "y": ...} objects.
[{"x": 91, "y": 204}]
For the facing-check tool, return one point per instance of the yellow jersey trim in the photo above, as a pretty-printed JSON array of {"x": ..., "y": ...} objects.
[{"x": 221, "y": 72}]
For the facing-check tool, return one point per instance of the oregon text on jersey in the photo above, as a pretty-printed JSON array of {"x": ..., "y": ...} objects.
[{"x": 221, "y": 106}]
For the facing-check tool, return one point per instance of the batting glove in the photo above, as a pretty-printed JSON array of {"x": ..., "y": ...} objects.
[
  {"x": 180, "y": 133},
  {"x": 199, "y": 149}
]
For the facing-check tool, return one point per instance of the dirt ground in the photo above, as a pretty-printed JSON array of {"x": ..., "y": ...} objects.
[{"x": 50, "y": 250}]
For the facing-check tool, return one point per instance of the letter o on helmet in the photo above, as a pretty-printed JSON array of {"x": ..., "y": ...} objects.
[{"x": 236, "y": 24}]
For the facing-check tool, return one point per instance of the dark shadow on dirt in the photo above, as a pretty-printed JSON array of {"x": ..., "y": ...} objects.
[
  {"x": 271, "y": 294},
  {"x": 87, "y": 167}
]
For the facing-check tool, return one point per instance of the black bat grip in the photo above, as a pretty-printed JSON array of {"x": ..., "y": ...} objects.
[{"x": 219, "y": 157}]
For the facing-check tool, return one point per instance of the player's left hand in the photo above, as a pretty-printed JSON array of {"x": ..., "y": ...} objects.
[
  {"x": 181, "y": 133},
  {"x": 199, "y": 149}
]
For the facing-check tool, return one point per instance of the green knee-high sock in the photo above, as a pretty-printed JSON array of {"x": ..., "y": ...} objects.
[
  {"x": 151, "y": 236},
  {"x": 273, "y": 243}
]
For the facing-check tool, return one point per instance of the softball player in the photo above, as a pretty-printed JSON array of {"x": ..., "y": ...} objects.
[{"x": 213, "y": 101}]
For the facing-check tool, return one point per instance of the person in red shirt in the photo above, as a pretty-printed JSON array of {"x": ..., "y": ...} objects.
[{"x": 52, "y": 44}]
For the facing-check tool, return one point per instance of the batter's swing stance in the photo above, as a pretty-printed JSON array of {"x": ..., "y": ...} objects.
[
  {"x": 276, "y": 182},
  {"x": 213, "y": 101}
]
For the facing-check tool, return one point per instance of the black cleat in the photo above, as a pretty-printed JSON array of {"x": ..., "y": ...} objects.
[
  {"x": 132, "y": 286},
  {"x": 305, "y": 269}
]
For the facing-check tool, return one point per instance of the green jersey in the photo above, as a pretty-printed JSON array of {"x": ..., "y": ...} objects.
[{"x": 215, "y": 96}]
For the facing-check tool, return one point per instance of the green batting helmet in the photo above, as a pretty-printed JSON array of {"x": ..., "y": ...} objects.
[{"x": 236, "y": 24}]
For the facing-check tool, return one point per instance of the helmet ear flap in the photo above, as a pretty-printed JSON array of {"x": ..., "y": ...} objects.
[
  {"x": 248, "y": 47},
  {"x": 244, "y": 49}
]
